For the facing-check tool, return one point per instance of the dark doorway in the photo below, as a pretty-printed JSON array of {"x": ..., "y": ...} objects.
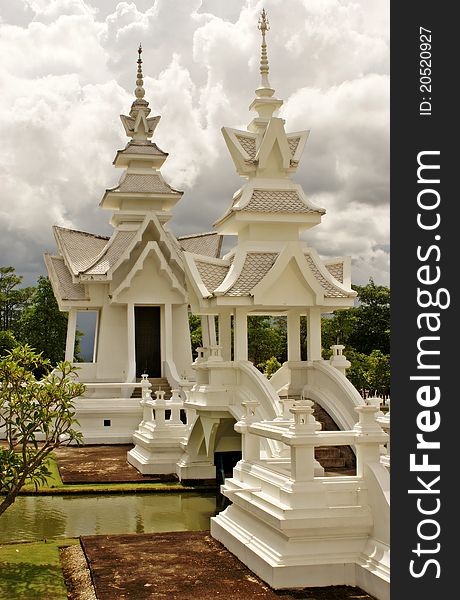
[{"x": 148, "y": 345}]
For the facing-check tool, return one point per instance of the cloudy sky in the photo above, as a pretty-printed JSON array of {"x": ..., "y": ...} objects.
[{"x": 68, "y": 70}]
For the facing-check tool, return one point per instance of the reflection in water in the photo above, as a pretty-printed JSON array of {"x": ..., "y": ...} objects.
[{"x": 39, "y": 517}]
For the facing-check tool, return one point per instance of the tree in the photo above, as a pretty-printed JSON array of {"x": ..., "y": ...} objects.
[
  {"x": 379, "y": 374},
  {"x": 42, "y": 325},
  {"x": 365, "y": 327},
  {"x": 372, "y": 326},
  {"x": 12, "y": 300},
  {"x": 32, "y": 408},
  {"x": 195, "y": 332},
  {"x": 269, "y": 367},
  {"x": 365, "y": 331},
  {"x": 7, "y": 342},
  {"x": 264, "y": 340}
]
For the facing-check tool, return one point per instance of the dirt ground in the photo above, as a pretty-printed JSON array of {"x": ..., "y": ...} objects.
[
  {"x": 101, "y": 464},
  {"x": 183, "y": 566}
]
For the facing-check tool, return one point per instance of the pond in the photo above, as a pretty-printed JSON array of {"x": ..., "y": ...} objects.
[{"x": 38, "y": 517}]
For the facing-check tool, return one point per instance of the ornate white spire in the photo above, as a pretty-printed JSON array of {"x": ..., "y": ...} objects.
[
  {"x": 264, "y": 103},
  {"x": 265, "y": 90},
  {"x": 139, "y": 92},
  {"x": 138, "y": 125}
]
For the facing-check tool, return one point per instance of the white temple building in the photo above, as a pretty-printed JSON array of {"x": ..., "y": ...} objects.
[
  {"x": 287, "y": 521},
  {"x": 127, "y": 293}
]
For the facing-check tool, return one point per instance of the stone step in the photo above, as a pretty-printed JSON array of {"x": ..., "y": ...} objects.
[{"x": 158, "y": 383}]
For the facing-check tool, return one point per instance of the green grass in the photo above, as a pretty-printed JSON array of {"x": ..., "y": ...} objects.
[
  {"x": 52, "y": 481},
  {"x": 32, "y": 571}
]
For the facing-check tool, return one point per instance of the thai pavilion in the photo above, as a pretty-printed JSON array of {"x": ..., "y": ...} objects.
[{"x": 131, "y": 293}]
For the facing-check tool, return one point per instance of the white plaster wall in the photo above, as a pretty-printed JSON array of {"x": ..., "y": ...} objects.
[
  {"x": 150, "y": 286},
  {"x": 124, "y": 415},
  {"x": 112, "y": 343},
  {"x": 290, "y": 289}
]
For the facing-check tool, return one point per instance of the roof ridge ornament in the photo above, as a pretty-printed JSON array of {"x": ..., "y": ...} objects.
[
  {"x": 139, "y": 92},
  {"x": 265, "y": 89}
]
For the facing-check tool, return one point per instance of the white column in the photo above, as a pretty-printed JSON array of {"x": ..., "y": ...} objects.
[
  {"x": 314, "y": 333},
  {"x": 168, "y": 333},
  {"x": 212, "y": 330},
  {"x": 293, "y": 336},
  {"x": 71, "y": 329},
  {"x": 205, "y": 334},
  {"x": 225, "y": 335},
  {"x": 241, "y": 334},
  {"x": 131, "y": 349}
]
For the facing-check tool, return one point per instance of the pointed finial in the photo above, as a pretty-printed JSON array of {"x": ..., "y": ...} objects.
[
  {"x": 139, "y": 91},
  {"x": 263, "y": 27}
]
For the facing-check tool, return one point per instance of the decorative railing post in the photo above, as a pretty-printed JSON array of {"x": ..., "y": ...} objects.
[
  {"x": 384, "y": 421},
  {"x": 159, "y": 405},
  {"x": 202, "y": 354},
  {"x": 302, "y": 443},
  {"x": 369, "y": 437},
  {"x": 250, "y": 443},
  {"x": 175, "y": 404},
  {"x": 338, "y": 360},
  {"x": 215, "y": 354},
  {"x": 147, "y": 412}
]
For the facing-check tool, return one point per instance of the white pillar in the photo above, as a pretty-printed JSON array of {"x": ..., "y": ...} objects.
[
  {"x": 225, "y": 335},
  {"x": 131, "y": 349},
  {"x": 206, "y": 333},
  {"x": 293, "y": 336},
  {"x": 241, "y": 334},
  {"x": 71, "y": 329},
  {"x": 314, "y": 333}
]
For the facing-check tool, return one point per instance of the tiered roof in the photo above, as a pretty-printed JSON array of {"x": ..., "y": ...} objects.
[
  {"x": 268, "y": 214},
  {"x": 141, "y": 201}
]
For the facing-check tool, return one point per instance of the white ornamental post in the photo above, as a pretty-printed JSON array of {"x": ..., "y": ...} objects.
[
  {"x": 369, "y": 437},
  {"x": 175, "y": 404},
  {"x": 147, "y": 413},
  {"x": 250, "y": 443},
  {"x": 160, "y": 408},
  {"x": 338, "y": 360},
  {"x": 302, "y": 443}
]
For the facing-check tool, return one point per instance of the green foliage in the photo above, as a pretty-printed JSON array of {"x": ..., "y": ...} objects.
[
  {"x": 269, "y": 367},
  {"x": 264, "y": 339},
  {"x": 365, "y": 331},
  {"x": 12, "y": 300},
  {"x": 7, "y": 341},
  {"x": 31, "y": 408},
  {"x": 195, "y": 332},
  {"x": 379, "y": 374},
  {"x": 42, "y": 325},
  {"x": 365, "y": 327}
]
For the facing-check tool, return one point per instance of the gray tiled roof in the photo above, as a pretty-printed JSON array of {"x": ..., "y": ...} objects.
[
  {"x": 248, "y": 143},
  {"x": 293, "y": 143},
  {"x": 336, "y": 270},
  {"x": 330, "y": 291},
  {"x": 80, "y": 248},
  {"x": 207, "y": 244},
  {"x": 66, "y": 288},
  {"x": 212, "y": 275},
  {"x": 144, "y": 184},
  {"x": 256, "y": 266},
  {"x": 115, "y": 248},
  {"x": 146, "y": 148},
  {"x": 277, "y": 201}
]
